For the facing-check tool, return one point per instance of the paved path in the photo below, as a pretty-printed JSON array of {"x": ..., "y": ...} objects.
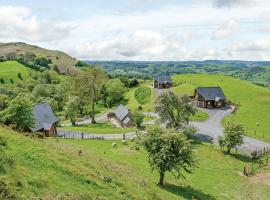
[{"x": 211, "y": 129}]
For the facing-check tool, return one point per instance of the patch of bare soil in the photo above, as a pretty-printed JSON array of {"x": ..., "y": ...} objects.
[{"x": 260, "y": 178}]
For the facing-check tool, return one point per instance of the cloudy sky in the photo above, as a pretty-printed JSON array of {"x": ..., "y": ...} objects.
[{"x": 142, "y": 29}]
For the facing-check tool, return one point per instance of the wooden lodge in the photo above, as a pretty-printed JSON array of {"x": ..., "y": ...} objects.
[
  {"x": 45, "y": 120},
  {"x": 121, "y": 117},
  {"x": 162, "y": 82},
  {"x": 209, "y": 97}
]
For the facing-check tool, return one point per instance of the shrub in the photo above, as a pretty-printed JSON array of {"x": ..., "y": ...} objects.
[
  {"x": 143, "y": 95},
  {"x": 137, "y": 118},
  {"x": 3, "y": 141},
  {"x": 38, "y": 135}
]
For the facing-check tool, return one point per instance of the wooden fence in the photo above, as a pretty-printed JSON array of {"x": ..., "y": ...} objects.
[{"x": 252, "y": 168}]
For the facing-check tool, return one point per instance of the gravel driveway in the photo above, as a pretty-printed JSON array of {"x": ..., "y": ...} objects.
[{"x": 211, "y": 129}]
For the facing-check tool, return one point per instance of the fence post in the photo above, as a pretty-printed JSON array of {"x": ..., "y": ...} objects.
[
  {"x": 82, "y": 136},
  {"x": 64, "y": 135},
  {"x": 73, "y": 136},
  {"x": 124, "y": 136}
]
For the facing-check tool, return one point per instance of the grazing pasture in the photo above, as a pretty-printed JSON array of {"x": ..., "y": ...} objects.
[
  {"x": 11, "y": 70},
  {"x": 253, "y": 100},
  {"x": 90, "y": 169}
]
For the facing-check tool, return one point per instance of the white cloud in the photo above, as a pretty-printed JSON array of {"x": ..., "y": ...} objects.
[
  {"x": 232, "y": 3},
  {"x": 18, "y": 23},
  {"x": 140, "y": 45},
  {"x": 225, "y": 30}
]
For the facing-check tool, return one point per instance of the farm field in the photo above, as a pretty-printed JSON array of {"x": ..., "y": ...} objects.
[
  {"x": 254, "y": 100},
  {"x": 104, "y": 172},
  {"x": 10, "y": 69},
  {"x": 133, "y": 104},
  {"x": 99, "y": 128}
]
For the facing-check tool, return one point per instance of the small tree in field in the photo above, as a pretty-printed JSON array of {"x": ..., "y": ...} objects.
[
  {"x": 137, "y": 118},
  {"x": 168, "y": 151},
  {"x": 72, "y": 110},
  {"x": 233, "y": 136}
]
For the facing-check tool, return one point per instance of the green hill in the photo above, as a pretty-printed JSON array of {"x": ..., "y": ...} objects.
[
  {"x": 10, "y": 70},
  {"x": 65, "y": 63},
  {"x": 52, "y": 169},
  {"x": 254, "y": 100}
]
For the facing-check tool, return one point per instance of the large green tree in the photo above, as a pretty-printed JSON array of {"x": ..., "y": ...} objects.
[
  {"x": 168, "y": 150},
  {"x": 88, "y": 86},
  {"x": 174, "y": 110},
  {"x": 19, "y": 113},
  {"x": 233, "y": 136}
]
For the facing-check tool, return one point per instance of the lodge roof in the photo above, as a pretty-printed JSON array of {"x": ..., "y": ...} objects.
[
  {"x": 163, "y": 79},
  {"x": 211, "y": 93},
  {"x": 121, "y": 112},
  {"x": 44, "y": 117}
]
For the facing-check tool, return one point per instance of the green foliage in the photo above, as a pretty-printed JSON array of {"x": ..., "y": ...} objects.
[
  {"x": 168, "y": 151},
  {"x": 20, "y": 76},
  {"x": 90, "y": 83},
  {"x": 72, "y": 109},
  {"x": 137, "y": 118},
  {"x": 81, "y": 64},
  {"x": 143, "y": 95},
  {"x": 174, "y": 110},
  {"x": 133, "y": 83},
  {"x": 124, "y": 80},
  {"x": 233, "y": 135},
  {"x": 2, "y": 80},
  {"x": 114, "y": 92},
  {"x": 19, "y": 113}
]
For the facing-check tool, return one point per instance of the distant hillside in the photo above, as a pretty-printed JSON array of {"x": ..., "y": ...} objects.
[
  {"x": 254, "y": 71},
  {"x": 64, "y": 62}
]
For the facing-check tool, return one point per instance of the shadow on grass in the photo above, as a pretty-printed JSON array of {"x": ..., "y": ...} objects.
[
  {"x": 242, "y": 157},
  {"x": 187, "y": 192}
]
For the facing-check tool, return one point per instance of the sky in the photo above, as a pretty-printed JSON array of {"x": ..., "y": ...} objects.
[{"x": 143, "y": 30}]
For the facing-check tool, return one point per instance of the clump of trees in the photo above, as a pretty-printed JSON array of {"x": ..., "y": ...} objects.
[
  {"x": 19, "y": 114},
  {"x": 174, "y": 110},
  {"x": 168, "y": 151},
  {"x": 233, "y": 136},
  {"x": 143, "y": 95}
]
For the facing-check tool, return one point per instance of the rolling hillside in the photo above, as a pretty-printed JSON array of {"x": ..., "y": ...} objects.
[
  {"x": 52, "y": 169},
  {"x": 10, "y": 70},
  {"x": 65, "y": 63},
  {"x": 254, "y": 100}
]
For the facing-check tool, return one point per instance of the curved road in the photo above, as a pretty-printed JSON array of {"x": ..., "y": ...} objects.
[{"x": 211, "y": 129}]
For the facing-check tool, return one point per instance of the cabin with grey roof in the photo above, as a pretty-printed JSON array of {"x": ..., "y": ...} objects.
[
  {"x": 45, "y": 120},
  {"x": 162, "y": 81},
  {"x": 120, "y": 117},
  {"x": 209, "y": 97}
]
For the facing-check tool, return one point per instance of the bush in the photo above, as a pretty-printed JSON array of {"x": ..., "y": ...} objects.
[
  {"x": 143, "y": 95},
  {"x": 38, "y": 135},
  {"x": 137, "y": 118},
  {"x": 3, "y": 141}
]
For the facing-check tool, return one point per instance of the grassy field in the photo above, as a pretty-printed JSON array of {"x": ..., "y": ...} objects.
[
  {"x": 99, "y": 128},
  {"x": 133, "y": 104},
  {"x": 10, "y": 69},
  {"x": 254, "y": 100},
  {"x": 53, "y": 169}
]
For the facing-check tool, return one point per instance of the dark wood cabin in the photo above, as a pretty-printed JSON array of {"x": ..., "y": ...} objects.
[
  {"x": 45, "y": 120},
  {"x": 121, "y": 117},
  {"x": 209, "y": 97},
  {"x": 162, "y": 82}
]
